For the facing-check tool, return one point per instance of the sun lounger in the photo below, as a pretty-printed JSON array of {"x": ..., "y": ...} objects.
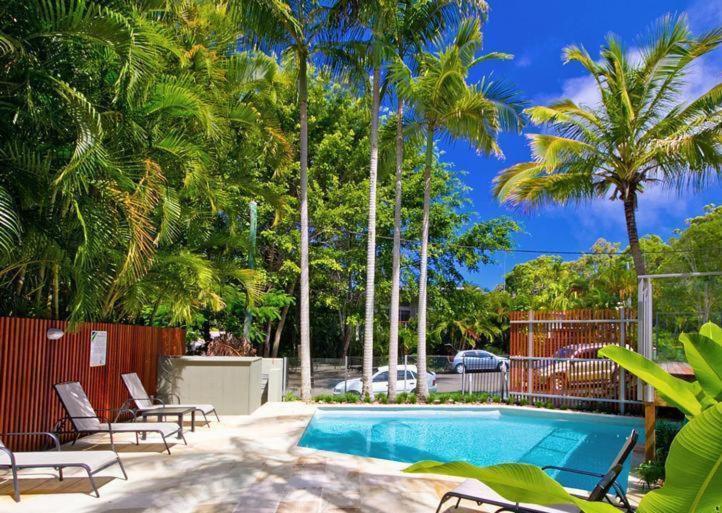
[
  {"x": 91, "y": 461},
  {"x": 476, "y": 491},
  {"x": 85, "y": 420},
  {"x": 152, "y": 405}
]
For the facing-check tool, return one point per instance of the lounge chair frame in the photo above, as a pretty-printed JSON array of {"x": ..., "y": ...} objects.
[
  {"x": 14, "y": 467},
  {"x": 607, "y": 482},
  {"x": 157, "y": 400},
  {"x": 78, "y": 431}
]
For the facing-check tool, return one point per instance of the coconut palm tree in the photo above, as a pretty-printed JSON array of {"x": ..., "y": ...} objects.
[
  {"x": 292, "y": 25},
  {"x": 445, "y": 104},
  {"x": 640, "y": 133},
  {"x": 415, "y": 24}
]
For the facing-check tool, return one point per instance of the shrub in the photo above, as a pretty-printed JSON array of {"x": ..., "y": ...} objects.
[
  {"x": 290, "y": 396},
  {"x": 651, "y": 472}
]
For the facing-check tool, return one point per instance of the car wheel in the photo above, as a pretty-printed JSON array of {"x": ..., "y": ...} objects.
[{"x": 459, "y": 369}]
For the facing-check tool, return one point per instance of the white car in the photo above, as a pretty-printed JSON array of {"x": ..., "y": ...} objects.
[{"x": 405, "y": 381}]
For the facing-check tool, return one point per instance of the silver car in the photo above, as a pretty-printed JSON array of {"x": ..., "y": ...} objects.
[{"x": 476, "y": 360}]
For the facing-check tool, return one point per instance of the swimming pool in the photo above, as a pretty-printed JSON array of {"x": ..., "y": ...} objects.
[{"x": 481, "y": 435}]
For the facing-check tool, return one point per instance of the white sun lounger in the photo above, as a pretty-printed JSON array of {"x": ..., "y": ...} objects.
[
  {"x": 84, "y": 418},
  {"x": 91, "y": 461},
  {"x": 148, "y": 404}
]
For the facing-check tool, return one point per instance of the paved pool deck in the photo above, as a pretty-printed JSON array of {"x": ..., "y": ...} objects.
[{"x": 245, "y": 464}]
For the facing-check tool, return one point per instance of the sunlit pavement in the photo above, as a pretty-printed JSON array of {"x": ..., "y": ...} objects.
[{"x": 245, "y": 464}]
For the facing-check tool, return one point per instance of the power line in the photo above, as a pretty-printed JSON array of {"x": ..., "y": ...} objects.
[{"x": 533, "y": 251}]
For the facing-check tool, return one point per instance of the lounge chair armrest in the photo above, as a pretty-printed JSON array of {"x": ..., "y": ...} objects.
[
  {"x": 168, "y": 396},
  {"x": 573, "y": 471},
  {"x": 9, "y": 453},
  {"x": 120, "y": 412},
  {"x": 52, "y": 436}
]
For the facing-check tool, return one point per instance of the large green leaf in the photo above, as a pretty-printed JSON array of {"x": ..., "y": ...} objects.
[
  {"x": 711, "y": 330},
  {"x": 705, "y": 357},
  {"x": 693, "y": 468},
  {"x": 516, "y": 482},
  {"x": 675, "y": 391}
]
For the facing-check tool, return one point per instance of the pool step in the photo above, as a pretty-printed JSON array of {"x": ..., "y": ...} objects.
[{"x": 554, "y": 448}]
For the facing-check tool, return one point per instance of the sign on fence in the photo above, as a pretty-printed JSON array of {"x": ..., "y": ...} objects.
[{"x": 98, "y": 348}]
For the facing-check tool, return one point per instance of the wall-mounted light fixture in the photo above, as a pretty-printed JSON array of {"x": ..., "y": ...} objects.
[{"x": 54, "y": 334}]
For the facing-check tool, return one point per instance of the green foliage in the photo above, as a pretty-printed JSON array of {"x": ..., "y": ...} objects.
[
  {"x": 517, "y": 482},
  {"x": 651, "y": 472},
  {"x": 290, "y": 396},
  {"x": 677, "y": 392}
]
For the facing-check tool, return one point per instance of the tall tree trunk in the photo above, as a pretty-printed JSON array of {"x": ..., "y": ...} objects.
[
  {"x": 630, "y": 204},
  {"x": 305, "y": 295},
  {"x": 396, "y": 259},
  {"x": 279, "y": 332},
  {"x": 422, "y": 386},
  {"x": 371, "y": 243},
  {"x": 348, "y": 331},
  {"x": 267, "y": 340}
]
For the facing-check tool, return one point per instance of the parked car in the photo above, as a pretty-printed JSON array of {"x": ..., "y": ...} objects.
[
  {"x": 405, "y": 381},
  {"x": 581, "y": 367},
  {"x": 475, "y": 360}
]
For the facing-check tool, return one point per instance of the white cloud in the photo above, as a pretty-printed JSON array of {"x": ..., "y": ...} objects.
[
  {"x": 581, "y": 90},
  {"x": 657, "y": 206},
  {"x": 705, "y": 14}
]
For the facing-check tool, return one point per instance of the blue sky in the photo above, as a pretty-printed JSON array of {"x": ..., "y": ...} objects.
[{"x": 536, "y": 32}]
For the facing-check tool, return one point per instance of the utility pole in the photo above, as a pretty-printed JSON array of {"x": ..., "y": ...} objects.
[{"x": 252, "y": 228}]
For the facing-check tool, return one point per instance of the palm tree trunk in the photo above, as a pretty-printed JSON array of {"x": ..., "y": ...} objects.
[
  {"x": 305, "y": 295},
  {"x": 422, "y": 387},
  {"x": 396, "y": 258},
  {"x": 371, "y": 243},
  {"x": 630, "y": 204}
]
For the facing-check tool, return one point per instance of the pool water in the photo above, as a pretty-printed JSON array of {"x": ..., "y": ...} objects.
[{"x": 482, "y": 436}]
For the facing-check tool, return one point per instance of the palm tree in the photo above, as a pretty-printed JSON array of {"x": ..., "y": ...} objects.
[
  {"x": 396, "y": 27},
  {"x": 292, "y": 25},
  {"x": 415, "y": 24},
  {"x": 445, "y": 104},
  {"x": 640, "y": 133},
  {"x": 100, "y": 213}
]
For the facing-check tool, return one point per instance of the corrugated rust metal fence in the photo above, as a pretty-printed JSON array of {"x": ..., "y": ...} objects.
[
  {"x": 553, "y": 357},
  {"x": 30, "y": 364}
]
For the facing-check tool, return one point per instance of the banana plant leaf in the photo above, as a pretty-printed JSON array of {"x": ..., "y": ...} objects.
[
  {"x": 516, "y": 482},
  {"x": 705, "y": 357},
  {"x": 711, "y": 330},
  {"x": 675, "y": 391},
  {"x": 693, "y": 468}
]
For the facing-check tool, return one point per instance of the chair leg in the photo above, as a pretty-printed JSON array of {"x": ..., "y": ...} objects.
[
  {"x": 122, "y": 469},
  {"x": 77, "y": 435},
  {"x": 137, "y": 441},
  {"x": 205, "y": 419},
  {"x": 60, "y": 473},
  {"x": 216, "y": 414},
  {"x": 167, "y": 448},
  {"x": 16, "y": 484},
  {"x": 183, "y": 437},
  {"x": 112, "y": 443},
  {"x": 92, "y": 482},
  {"x": 442, "y": 501}
]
